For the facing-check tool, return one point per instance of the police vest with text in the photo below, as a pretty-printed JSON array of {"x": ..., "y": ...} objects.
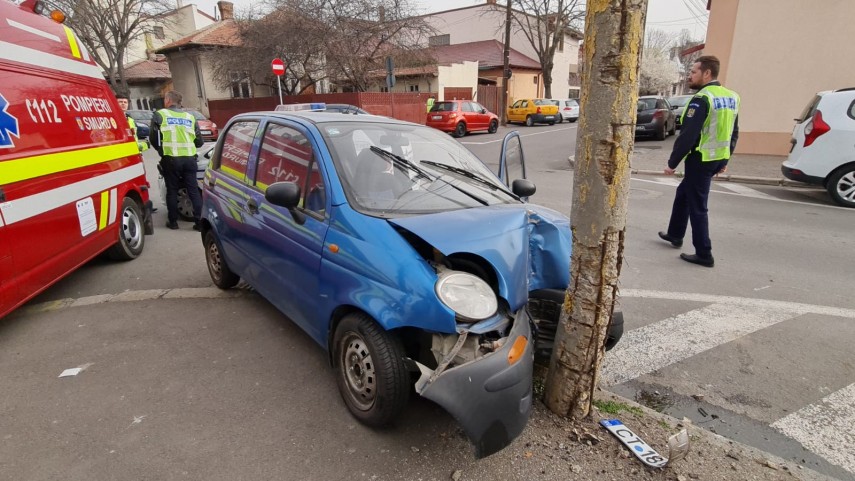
[
  {"x": 719, "y": 124},
  {"x": 178, "y": 131}
]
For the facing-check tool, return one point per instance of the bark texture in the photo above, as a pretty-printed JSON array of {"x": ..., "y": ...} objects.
[{"x": 614, "y": 31}]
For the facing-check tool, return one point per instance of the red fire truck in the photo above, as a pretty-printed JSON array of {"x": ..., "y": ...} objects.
[{"x": 72, "y": 181}]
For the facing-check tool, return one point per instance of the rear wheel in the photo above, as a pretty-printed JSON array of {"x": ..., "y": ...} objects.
[
  {"x": 370, "y": 370},
  {"x": 841, "y": 186},
  {"x": 494, "y": 126},
  {"x": 560, "y": 119},
  {"x": 673, "y": 130},
  {"x": 222, "y": 276},
  {"x": 131, "y": 233},
  {"x": 460, "y": 130},
  {"x": 662, "y": 132},
  {"x": 529, "y": 121}
]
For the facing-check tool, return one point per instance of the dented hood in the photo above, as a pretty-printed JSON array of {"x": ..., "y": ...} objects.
[{"x": 528, "y": 245}]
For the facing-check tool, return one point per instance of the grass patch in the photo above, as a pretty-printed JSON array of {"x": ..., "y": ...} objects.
[{"x": 612, "y": 407}]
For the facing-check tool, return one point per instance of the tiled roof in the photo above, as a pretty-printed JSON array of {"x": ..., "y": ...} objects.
[
  {"x": 157, "y": 69},
  {"x": 488, "y": 54},
  {"x": 220, "y": 34}
]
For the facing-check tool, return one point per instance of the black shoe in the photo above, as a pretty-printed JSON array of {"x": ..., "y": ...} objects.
[
  {"x": 197, "y": 227},
  {"x": 172, "y": 225},
  {"x": 674, "y": 241},
  {"x": 701, "y": 261}
]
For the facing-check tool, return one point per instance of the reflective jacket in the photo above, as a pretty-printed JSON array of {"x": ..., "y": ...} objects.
[
  {"x": 715, "y": 142},
  {"x": 178, "y": 133}
]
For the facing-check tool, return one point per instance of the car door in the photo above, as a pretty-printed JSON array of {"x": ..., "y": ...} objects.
[
  {"x": 468, "y": 114},
  {"x": 482, "y": 116},
  {"x": 513, "y": 112},
  {"x": 287, "y": 250}
]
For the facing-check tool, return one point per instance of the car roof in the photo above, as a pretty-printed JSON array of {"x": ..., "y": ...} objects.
[
  {"x": 651, "y": 97},
  {"x": 320, "y": 117}
]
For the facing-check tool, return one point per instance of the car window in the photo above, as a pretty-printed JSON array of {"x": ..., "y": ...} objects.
[
  {"x": 571, "y": 103},
  {"x": 285, "y": 156},
  {"x": 646, "y": 104},
  {"x": 523, "y": 104},
  {"x": 660, "y": 104},
  {"x": 466, "y": 106},
  {"x": 195, "y": 113},
  {"x": 543, "y": 102},
  {"x": 808, "y": 112},
  {"x": 237, "y": 144},
  {"x": 517, "y": 104},
  {"x": 478, "y": 107},
  {"x": 679, "y": 101},
  {"x": 444, "y": 107}
]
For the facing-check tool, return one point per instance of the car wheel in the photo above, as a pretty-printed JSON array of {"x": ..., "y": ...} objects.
[
  {"x": 185, "y": 207},
  {"x": 573, "y": 120},
  {"x": 222, "y": 276},
  {"x": 494, "y": 127},
  {"x": 560, "y": 119},
  {"x": 673, "y": 130},
  {"x": 841, "y": 186},
  {"x": 370, "y": 371},
  {"x": 544, "y": 306},
  {"x": 460, "y": 130},
  {"x": 131, "y": 240},
  {"x": 529, "y": 121},
  {"x": 662, "y": 133}
]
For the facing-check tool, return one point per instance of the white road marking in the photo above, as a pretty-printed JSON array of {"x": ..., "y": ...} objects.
[
  {"x": 667, "y": 181},
  {"x": 827, "y": 428},
  {"x": 743, "y": 189},
  {"x": 572, "y": 127},
  {"x": 652, "y": 347}
]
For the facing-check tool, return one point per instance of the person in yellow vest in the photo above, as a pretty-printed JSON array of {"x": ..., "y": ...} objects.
[
  {"x": 430, "y": 102},
  {"x": 123, "y": 103},
  {"x": 175, "y": 136},
  {"x": 707, "y": 139}
]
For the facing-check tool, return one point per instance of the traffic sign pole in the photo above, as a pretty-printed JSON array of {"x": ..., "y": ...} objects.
[{"x": 279, "y": 83}]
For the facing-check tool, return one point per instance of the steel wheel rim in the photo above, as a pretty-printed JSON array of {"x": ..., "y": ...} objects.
[
  {"x": 846, "y": 187},
  {"x": 215, "y": 261},
  {"x": 132, "y": 233},
  {"x": 185, "y": 206},
  {"x": 357, "y": 369}
]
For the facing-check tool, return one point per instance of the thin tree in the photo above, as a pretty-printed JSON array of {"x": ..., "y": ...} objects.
[{"x": 613, "y": 34}]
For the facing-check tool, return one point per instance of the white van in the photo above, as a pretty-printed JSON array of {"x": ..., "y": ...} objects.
[{"x": 823, "y": 145}]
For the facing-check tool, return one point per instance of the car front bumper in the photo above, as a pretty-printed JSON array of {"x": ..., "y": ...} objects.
[{"x": 489, "y": 397}]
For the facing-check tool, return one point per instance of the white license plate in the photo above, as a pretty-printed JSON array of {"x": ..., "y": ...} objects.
[
  {"x": 639, "y": 448},
  {"x": 437, "y": 117},
  {"x": 549, "y": 117},
  {"x": 640, "y": 127},
  {"x": 206, "y": 132}
]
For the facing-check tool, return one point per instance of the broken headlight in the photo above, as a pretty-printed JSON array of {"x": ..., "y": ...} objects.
[{"x": 467, "y": 295}]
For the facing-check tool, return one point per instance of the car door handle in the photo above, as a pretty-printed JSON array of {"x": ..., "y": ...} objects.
[{"x": 252, "y": 206}]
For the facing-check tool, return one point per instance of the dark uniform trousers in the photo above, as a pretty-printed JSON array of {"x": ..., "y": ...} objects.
[
  {"x": 690, "y": 203},
  {"x": 180, "y": 172}
]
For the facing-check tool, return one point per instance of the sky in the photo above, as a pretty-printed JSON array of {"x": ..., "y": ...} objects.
[{"x": 669, "y": 15}]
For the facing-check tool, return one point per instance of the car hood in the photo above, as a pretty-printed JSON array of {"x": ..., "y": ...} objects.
[{"x": 527, "y": 245}]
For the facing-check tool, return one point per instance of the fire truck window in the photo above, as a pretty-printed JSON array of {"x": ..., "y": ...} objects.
[
  {"x": 285, "y": 157},
  {"x": 236, "y": 147}
]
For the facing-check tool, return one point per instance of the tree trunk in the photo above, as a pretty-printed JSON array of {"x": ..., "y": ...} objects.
[{"x": 613, "y": 34}]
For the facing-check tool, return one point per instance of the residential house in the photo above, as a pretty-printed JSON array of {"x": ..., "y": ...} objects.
[
  {"x": 777, "y": 54},
  {"x": 148, "y": 81}
]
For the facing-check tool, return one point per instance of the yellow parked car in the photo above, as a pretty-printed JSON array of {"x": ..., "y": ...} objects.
[{"x": 533, "y": 111}]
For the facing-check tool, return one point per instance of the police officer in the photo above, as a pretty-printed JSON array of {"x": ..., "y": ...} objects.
[
  {"x": 430, "y": 101},
  {"x": 175, "y": 135},
  {"x": 707, "y": 139},
  {"x": 123, "y": 103}
]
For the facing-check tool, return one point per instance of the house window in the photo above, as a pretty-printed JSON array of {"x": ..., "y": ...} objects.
[
  {"x": 241, "y": 88},
  {"x": 439, "y": 40},
  {"x": 414, "y": 88},
  {"x": 535, "y": 79},
  {"x": 158, "y": 33}
]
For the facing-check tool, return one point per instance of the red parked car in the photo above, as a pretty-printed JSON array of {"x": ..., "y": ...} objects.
[
  {"x": 208, "y": 127},
  {"x": 461, "y": 117}
]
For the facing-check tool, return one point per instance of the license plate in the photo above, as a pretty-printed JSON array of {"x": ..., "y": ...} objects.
[
  {"x": 208, "y": 132},
  {"x": 639, "y": 448},
  {"x": 640, "y": 127},
  {"x": 437, "y": 117},
  {"x": 549, "y": 117}
]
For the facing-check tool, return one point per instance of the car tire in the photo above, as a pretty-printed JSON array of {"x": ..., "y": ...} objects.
[
  {"x": 529, "y": 121},
  {"x": 494, "y": 127},
  {"x": 185, "y": 207},
  {"x": 460, "y": 130},
  {"x": 370, "y": 372},
  {"x": 673, "y": 130},
  {"x": 841, "y": 186},
  {"x": 662, "y": 133},
  {"x": 574, "y": 120},
  {"x": 560, "y": 119},
  {"x": 221, "y": 275},
  {"x": 131, "y": 240},
  {"x": 544, "y": 306}
]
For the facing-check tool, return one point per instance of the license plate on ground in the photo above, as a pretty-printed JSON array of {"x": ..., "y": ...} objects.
[
  {"x": 639, "y": 448},
  {"x": 207, "y": 132},
  {"x": 437, "y": 117}
]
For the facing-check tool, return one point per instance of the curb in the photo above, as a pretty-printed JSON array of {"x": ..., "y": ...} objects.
[{"x": 740, "y": 179}]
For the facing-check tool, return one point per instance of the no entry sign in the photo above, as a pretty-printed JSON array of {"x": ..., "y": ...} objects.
[{"x": 278, "y": 66}]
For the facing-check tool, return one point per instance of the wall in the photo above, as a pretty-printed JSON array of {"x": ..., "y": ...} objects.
[
  {"x": 522, "y": 86},
  {"x": 457, "y": 75},
  {"x": 176, "y": 25},
  {"x": 782, "y": 53}
]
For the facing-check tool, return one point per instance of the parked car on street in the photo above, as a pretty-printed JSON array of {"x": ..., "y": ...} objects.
[
  {"x": 461, "y": 117},
  {"x": 823, "y": 145},
  {"x": 678, "y": 105},
  {"x": 346, "y": 109},
  {"x": 533, "y": 111},
  {"x": 143, "y": 120},
  {"x": 568, "y": 109},
  {"x": 185, "y": 207},
  {"x": 655, "y": 118},
  {"x": 207, "y": 127},
  {"x": 400, "y": 253}
]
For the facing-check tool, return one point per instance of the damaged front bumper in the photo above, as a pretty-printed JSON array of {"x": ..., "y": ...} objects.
[{"x": 491, "y": 397}]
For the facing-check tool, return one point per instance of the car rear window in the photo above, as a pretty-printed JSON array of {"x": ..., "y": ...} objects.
[
  {"x": 809, "y": 110},
  {"x": 544, "y": 102},
  {"x": 646, "y": 104},
  {"x": 571, "y": 103},
  {"x": 444, "y": 107}
]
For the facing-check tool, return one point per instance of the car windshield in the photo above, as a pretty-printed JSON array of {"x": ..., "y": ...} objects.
[
  {"x": 444, "y": 107},
  {"x": 572, "y": 103},
  {"x": 412, "y": 169},
  {"x": 196, "y": 113},
  {"x": 646, "y": 104},
  {"x": 680, "y": 101}
]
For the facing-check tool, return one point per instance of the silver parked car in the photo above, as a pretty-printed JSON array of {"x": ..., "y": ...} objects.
[{"x": 185, "y": 207}]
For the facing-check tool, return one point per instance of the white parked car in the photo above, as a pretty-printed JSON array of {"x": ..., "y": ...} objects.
[
  {"x": 823, "y": 145},
  {"x": 568, "y": 109}
]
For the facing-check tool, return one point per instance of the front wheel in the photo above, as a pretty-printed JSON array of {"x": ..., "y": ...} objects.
[
  {"x": 185, "y": 206},
  {"x": 494, "y": 127},
  {"x": 131, "y": 233},
  {"x": 460, "y": 130},
  {"x": 841, "y": 186},
  {"x": 221, "y": 275},
  {"x": 370, "y": 372}
]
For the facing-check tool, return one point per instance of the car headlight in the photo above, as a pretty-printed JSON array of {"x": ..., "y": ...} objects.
[{"x": 467, "y": 295}]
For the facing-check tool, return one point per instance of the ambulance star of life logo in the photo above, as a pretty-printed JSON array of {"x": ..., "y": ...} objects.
[
  {"x": 80, "y": 123},
  {"x": 8, "y": 125}
]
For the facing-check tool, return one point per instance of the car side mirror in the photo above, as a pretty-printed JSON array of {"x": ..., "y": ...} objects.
[
  {"x": 483, "y": 111},
  {"x": 287, "y": 195},
  {"x": 523, "y": 187}
]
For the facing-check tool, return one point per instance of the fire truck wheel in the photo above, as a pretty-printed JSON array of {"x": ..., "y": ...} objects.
[{"x": 131, "y": 233}]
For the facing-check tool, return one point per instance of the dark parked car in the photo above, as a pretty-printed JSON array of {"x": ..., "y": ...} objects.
[
  {"x": 678, "y": 105},
  {"x": 655, "y": 118},
  {"x": 143, "y": 120}
]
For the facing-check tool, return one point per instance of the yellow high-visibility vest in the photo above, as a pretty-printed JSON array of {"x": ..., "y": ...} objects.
[
  {"x": 719, "y": 124},
  {"x": 178, "y": 132}
]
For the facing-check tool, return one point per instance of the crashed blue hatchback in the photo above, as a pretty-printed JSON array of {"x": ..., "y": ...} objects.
[{"x": 400, "y": 253}]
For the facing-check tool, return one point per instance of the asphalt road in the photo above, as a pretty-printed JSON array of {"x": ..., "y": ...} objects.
[{"x": 221, "y": 386}]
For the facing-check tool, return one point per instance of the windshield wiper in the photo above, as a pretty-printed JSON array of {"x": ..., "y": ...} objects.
[
  {"x": 463, "y": 172},
  {"x": 402, "y": 163}
]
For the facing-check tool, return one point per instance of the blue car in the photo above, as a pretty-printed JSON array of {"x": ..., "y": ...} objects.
[{"x": 399, "y": 252}]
